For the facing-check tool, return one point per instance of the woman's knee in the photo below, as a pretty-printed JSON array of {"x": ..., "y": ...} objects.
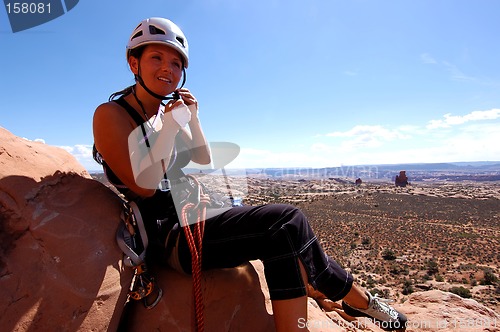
[
  {"x": 289, "y": 220},
  {"x": 286, "y": 211}
]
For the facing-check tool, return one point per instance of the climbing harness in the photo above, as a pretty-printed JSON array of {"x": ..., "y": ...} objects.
[{"x": 133, "y": 241}]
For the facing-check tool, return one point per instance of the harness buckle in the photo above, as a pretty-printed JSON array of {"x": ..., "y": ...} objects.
[{"x": 164, "y": 185}]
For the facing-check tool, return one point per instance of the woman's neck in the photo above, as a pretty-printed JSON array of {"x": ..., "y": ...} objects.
[{"x": 149, "y": 103}]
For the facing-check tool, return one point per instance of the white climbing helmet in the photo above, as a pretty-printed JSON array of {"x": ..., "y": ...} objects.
[{"x": 162, "y": 31}]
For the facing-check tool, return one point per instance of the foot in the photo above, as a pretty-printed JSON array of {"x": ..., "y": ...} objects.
[{"x": 384, "y": 316}]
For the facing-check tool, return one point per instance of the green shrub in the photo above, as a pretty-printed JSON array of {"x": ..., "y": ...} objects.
[
  {"x": 370, "y": 282},
  {"x": 426, "y": 277},
  {"x": 432, "y": 267},
  {"x": 382, "y": 293},
  {"x": 489, "y": 277},
  {"x": 461, "y": 291},
  {"x": 407, "y": 287},
  {"x": 399, "y": 269},
  {"x": 388, "y": 255}
]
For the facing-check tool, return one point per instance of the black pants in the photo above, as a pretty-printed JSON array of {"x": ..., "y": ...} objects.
[{"x": 278, "y": 235}]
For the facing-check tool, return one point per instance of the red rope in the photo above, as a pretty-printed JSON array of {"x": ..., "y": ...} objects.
[{"x": 195, "y": 247}]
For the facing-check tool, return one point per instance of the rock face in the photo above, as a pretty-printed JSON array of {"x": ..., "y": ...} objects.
[
  {"x": 235, "y": 300},
  {"x": 59, "y": 265},
  {"x": 60, "y": 268},
  {"x": 436, "y": 310}
]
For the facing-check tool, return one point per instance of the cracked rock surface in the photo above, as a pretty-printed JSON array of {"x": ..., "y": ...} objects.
[{"x": 59, "y": 264}]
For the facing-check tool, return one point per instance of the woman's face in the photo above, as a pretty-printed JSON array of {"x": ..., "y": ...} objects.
[{"x": 160, "y": 68}]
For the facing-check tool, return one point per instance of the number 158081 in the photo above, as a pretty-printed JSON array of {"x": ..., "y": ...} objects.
[{"x": 27, "y": 8}]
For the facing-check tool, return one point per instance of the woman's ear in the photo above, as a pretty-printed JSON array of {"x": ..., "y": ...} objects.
[{"x": 133, "y": 63}]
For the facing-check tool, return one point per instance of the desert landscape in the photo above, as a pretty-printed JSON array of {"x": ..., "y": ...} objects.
[{"x": 397, "y": 240}]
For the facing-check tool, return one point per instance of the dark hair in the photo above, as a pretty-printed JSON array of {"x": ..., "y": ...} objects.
[{"x": 136, "y": 53}]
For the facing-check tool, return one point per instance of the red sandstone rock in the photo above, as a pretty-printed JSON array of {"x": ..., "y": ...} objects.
[
  {"x": 435, "y": 310},
  {"x": 234, "y": 300},
  {"x": 59, "y": 265}
]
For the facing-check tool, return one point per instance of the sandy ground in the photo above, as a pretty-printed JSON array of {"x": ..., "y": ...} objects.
[{"x": 455, "y": 225}]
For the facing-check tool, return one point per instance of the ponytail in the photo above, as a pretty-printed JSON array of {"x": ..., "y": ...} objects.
[{"x": 124, "y": 92}]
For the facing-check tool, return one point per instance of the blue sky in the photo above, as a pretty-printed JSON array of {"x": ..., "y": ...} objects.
[{"x": 293, "y": 83}]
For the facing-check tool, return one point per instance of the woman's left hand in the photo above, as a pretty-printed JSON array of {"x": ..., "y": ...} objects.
[{"x": 187, "y": 97}]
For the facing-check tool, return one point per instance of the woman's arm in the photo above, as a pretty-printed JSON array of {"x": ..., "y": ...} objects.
[{"x": 139, "y": 169}]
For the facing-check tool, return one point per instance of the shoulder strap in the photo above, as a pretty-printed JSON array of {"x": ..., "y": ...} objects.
[
  {"x": 135, "y": 116},
  {"x": 130, "y": 110}
]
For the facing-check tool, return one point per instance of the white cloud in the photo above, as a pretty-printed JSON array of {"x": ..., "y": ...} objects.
[
  {"x": 367, "y": 136},
  {"x": 315, "y": 155},
  {"x": 80, "y": 150},
  {"x": 428, "y": 59},
  {"x": 472, "y": 139},
  {"x": 83, "y": 154},
  {"x": 255, "y": 158},
  {"x": 472, "y": 142},
  {"x": 351, "y": 72},
  {"x": 452, "y": 120},
  {"x": 457, "y": 74},
  {"x": 38, "y": 140},
  {"x": 362, "y": 130},
  {"x": 321, "y": 147}
]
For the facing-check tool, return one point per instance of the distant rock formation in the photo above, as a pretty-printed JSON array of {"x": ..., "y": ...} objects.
[
  {"x": 358, "y": 182},
  {"x": 401, "y": 179},
  {"x": 60, "y": 268}
]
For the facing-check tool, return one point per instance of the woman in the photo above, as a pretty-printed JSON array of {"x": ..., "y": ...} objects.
[{"x": 279, "y": 235}]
